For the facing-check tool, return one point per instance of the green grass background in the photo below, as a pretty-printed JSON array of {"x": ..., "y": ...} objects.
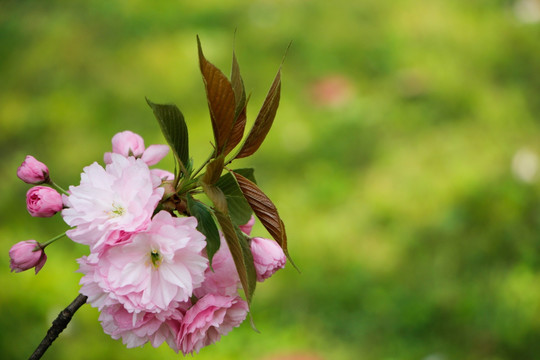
[{"x": 415, "y": 238}]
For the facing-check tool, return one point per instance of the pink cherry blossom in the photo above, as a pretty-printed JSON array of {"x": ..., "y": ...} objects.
[
  {"x": 127, "y": 143},
  {"x": 136, "y": 329},
  {"x": 33, "y": 171},
  {"x": 42, "y": 201},
  {"x": 268, "y": 257},
  {"x": 222, "y": 278},
  {"x": 210, "y": 318},
  {"x": 120, "y": 198},
  {"x": 154, "y": 272},
  {"x": 25, "y": 255}
]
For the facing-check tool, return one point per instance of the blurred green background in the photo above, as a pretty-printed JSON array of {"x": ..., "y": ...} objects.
[{"x": 403, "y": 160}]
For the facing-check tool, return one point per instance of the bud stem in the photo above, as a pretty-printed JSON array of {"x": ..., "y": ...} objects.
[
  {"x": 57, "y": 187},
  {"x": 42, "y": 246}
]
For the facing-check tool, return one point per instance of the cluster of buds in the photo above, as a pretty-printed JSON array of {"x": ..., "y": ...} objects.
[{"x": 41, "y": 201}]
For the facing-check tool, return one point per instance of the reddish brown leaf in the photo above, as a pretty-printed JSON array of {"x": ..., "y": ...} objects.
[
  {"x": 221, "y": 100},
  {"x": 264, "y": 120},
  {"x": 213, "y": 170},
  {"x": 263, "y": 208},
  {"x": 237, "y": 85},
  {"x": 266, "y": 212},
  {"x": 237, "y": 131}
]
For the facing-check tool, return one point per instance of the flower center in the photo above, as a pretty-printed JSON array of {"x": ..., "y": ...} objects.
[
  {"x": 117, "y": 210},
  {"x": 156, "y": 258}
]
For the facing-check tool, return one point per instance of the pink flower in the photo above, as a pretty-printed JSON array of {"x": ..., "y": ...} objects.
[
  {"x": 24, "y": 256},
  {"x": 42, "y": 201},
  {"x": 154, "y": 272},
  {"x": 136, "y": 329},
  {"x": 32, "y": 171},
  {"x": 246, "y": 228},
  {"x": 127, "y": 143},
  {"x": 111, "y": 202},
  {"x": 267, "y": 256},
  {"x": 222, "y": 278},
  {"x": 210, "y": 318}
]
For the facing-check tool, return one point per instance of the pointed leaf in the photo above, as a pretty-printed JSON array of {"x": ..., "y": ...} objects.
[
  {"x": 239, "y": 209},
  {"x": 264, "y": 120},
  {"x": 174, "y": 129},
  {"x": 221, "y": 101},
  {"x": 213, "y": 170},
  {"x": 237, "y": 132},
  {"x": 263, "y": 207},
  {"x": 238, "y": 86},
  {"x": 248, "y": 173},
  {"x": 227, "y": 227},
  {"x": 216, "y": 196},
  {"x": 206, "y": 225},
  {"x": 243, "y": 239},
  {"x": 265, "y": 210}
]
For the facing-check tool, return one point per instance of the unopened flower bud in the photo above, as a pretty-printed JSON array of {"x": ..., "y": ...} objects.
[
  {"x": 268, "y": 257},
  {"x": 25, "y": 255},
  {"x": 33, "y": 171},
  {"x": 42, "y": 201}
]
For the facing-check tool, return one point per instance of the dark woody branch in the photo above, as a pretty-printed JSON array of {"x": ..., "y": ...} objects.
[{"x": 58, "y": 325}]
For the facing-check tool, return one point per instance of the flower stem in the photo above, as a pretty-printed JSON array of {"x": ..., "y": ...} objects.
[
  {"x": 46, "y": 243},
  {"x": 55, "y": 185}
]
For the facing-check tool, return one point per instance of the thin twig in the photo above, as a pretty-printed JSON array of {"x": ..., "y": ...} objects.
[{"x": 58, "y": 325}]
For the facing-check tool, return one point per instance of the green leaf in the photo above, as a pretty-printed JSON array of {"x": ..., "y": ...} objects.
[
  {"x": 265, "y": 210},
  {"x": 216, "y": 196},
  {"x": 221, "y": 100},
  {"x": 243, "y": 239},
  {"x": 174, "y": 129},
  {"x": 239, "y": 209},
  {"x": 264, "y": 120},
  {"x": 206, "y": 225},
  {"x": 237, "y": 252}
]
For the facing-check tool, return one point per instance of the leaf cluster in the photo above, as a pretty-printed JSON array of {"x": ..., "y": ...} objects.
[{"x": 234, "y": 195}]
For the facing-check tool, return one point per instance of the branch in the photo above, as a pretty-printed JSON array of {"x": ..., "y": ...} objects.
[{"x": 58, "y": 325}]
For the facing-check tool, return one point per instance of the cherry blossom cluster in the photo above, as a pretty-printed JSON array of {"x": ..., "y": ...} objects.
[{"x": 147, "y": 270}]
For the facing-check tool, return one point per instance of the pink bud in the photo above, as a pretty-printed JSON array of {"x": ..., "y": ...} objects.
[
  {"x": 33, "y": 171},
  {"x": 246, "y": 228},
  {"x": 24, "y": 256},
  {"x": 128, "y": 143},
  {"x": 267, "y": 256},
  {"x": 42, "y": 201}
]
